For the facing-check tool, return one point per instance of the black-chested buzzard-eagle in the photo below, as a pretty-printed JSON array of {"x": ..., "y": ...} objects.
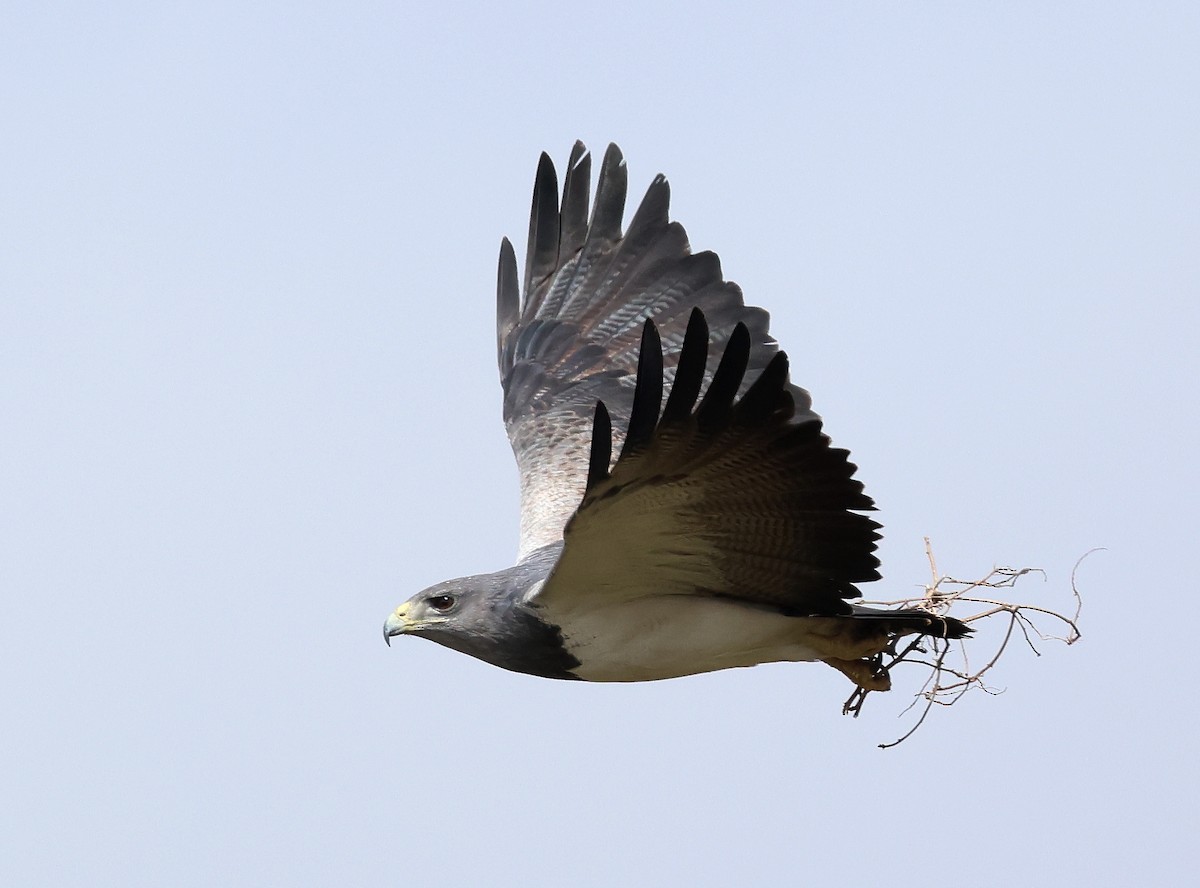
[{"x": 728, "y": 531}]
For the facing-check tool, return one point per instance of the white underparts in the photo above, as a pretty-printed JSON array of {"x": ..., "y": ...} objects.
[{"x": 668, "y": 636}]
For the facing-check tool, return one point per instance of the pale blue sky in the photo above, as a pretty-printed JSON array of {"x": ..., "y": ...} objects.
[{"x": 249, "y": 394}]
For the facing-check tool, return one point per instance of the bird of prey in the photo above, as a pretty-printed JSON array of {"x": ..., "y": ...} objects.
[{"x": 727, "y": 532}]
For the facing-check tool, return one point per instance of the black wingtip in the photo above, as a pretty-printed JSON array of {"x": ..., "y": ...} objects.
[
  {"x": 577, "y": 183},
  {"x": 541, "y": 251},
  {"x": 654, "y": 212},
  {"x": 611, "y": 190},
  {"x": 768, "y": 393},
  {"x": 718, "y": 400},
  {"x": 647, "y": 394},
  {"x": 508, "y": 298},
  {"x": 601, "y": 452},
  {"x": 689, "y": 372}
]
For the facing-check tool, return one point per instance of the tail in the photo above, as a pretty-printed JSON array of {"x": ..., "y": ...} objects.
[
  {"x": 865, "y": 634},
  {"x": 912, "y": 620}
]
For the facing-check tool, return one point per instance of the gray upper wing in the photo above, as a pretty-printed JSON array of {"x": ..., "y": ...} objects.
[{"x": 568, "y": 336}]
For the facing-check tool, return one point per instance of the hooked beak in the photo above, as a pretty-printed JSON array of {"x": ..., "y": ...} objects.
[{"x": 397, "y": 624}]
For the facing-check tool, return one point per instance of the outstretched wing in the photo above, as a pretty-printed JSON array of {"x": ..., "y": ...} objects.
[
  {"x": 572, "y": 340},
  {"x": 730, "y": 498}
]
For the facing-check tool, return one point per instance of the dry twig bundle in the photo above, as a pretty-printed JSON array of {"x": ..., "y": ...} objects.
[{"x": 951, "y": 672}]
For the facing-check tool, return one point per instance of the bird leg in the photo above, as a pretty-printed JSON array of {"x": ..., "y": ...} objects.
[{"x": 869, "y": 673}]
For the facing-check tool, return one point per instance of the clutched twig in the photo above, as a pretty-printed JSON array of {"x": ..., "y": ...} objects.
[{"x": 951, "y": 670}]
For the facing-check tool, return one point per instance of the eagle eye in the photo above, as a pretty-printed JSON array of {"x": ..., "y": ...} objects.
[{"x": 441, "y": 603}]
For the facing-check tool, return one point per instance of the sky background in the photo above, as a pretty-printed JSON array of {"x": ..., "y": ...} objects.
[{"x": 249, "y": 405}]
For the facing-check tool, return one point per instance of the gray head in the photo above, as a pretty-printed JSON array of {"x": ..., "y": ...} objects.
[{"x": 487, "y": 616}]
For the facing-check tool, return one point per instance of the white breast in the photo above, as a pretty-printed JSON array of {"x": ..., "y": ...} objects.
[{"x": 666, "y": 636}]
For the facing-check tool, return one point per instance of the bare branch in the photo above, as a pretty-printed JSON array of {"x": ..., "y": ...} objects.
[{"x": 948, "y": 682}]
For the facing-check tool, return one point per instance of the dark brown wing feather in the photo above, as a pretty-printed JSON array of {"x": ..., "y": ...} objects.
[{"x": 731, "y": 498}]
